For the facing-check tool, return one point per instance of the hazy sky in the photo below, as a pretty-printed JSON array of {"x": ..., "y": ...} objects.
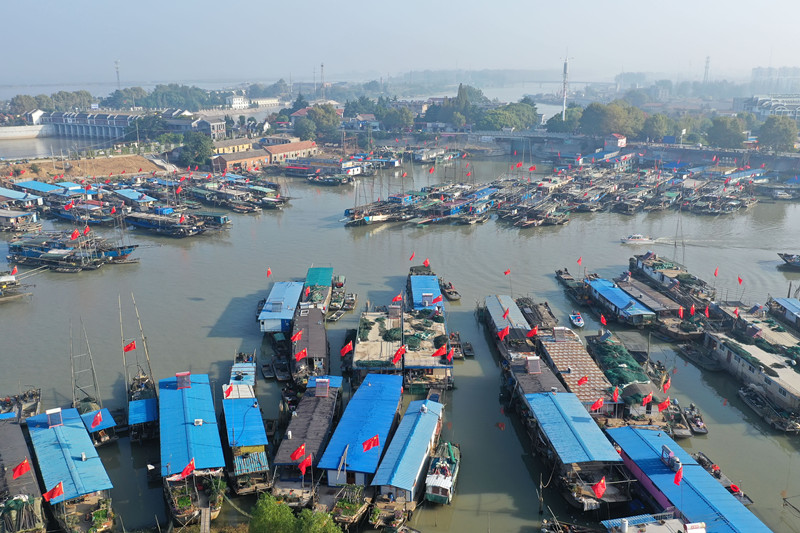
[{"x": 77, "y": 41}]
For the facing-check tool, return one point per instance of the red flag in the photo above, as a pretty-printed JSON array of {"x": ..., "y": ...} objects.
[
  {"x": 533, "y": 332},
  {"x": 228, "y": 391},
  {"x": 412, "y": 256},
  {"x": 431, "y": 170},
  {"x": 426, "y": 263},
  {"x": 740, "y": 279},
  {"x": 68, "y": 206},
  {"x": 599, "y": 488},
  {"x": 680, "y": 311},
  {"x": 596, "y": 405},
  {"x": 603, "y": 320},
  {"x": 129, "y": 347},
  {"x": 584, "y": 380},
  {"x": 140, "y": 170},
  {"x": 179, "y": 190},
  {"x": 505, "y": 315},
  {"x": 299, "y": 452},
  {"x": 398, "y": 298},
  {"x": 615, "y": 396},
  {"x": 86, "y": 231},
  {"x": 404, "y": 174},
  {"x": 716, "y": 272},
  {"x": 297, "y": 336},
  {"x": 182, "y": 219},
  {"x": 55, "y": 492},
  {"x": 503, "y": 332},
  {"x": 188, "y": 168},
  {"x": 75, "y": 235},
  {"x": 691, "y": 310},
  {"x": 450, "y": 355},
  {"x": 667, "y": 385},
  {"x": 437, "y": 299},
  {"x": 580, "y": 260},
  {"x": 469, "y": 173},
  {"x": 679, "y": 475},
  {"x": 519, "y": 164},
  {"x": 196, "y": 167},
  {"x": 113, "y": 209},
  {"x": 301, "y": 354},
  {"x": 21, "y": 469},
  {"x": 14, "y": 270},
  {"x": 308, "y": 291},
  {"x": 664, "y": 405},
  {"x": 184, "y": 177},
  {"x": 269, "y": 271},
  {"x": 507, "y": 272},
  {"x": 347, "y": 348},
  {"x": 532, "y": 168},
  {"x": 398, "y": 354},
  {"x": 647, "y": 399},
  {"x": 440, "y": 351},
  {"x": 188, "y": 469},
  {"x": 98, "y": 419},
  {"x": 305, "y": 463},
  {"x": 708, "y": 315},
  {"x": 736, "y": 312},
  {"x": 370, "y": 443}
]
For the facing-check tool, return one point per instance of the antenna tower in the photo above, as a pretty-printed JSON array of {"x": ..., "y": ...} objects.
[
  {"x": 116, "y": 67},
  {"x": 564, "y": 89},
  {"x": 322, "y": 78},
  {"x": 708, "y": 67}
]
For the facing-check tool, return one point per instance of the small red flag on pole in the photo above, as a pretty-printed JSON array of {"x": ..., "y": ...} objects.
[
  {"x": 691, "y": 310},
  {"x": 437, "y": 299},
  {"x": 615, "y": 396},
  {"x": 347, "y": 348},
  {"x": 370, "y": 443},
  {"x": 14, "y": 270},
  {"x": 679, "y": 476},
  {"x": 299, "y": 452},
  {"x": 647, "y": 399},
  {"x": 98, "y": 419},
  {"x": 426, "y": 263},
  {"x": 505, "y": 315},
  {"x": 228, "y": 391},
  {"x": 736, "y": 312},
  {"x": 398, "y": 354},
  {"x": 603, "y": 320},
  {"x": 398, "y": 298},
  {"x": 129, "y": 347},
  {"x": 188, "y": 469},
  {"x": 440, "y": 351},
  {"x": 599, "y": 488},
  {"x": 580, "y": 260},
  {"x": 412, "y": 256},
  {"x": 269, "y": 271},
  {"x": 304, "y": 464},
  {"x": 740, "y": 279},
  {"x": 533, "y": 332},
  {"x": 308, "y": 291},
  {"x": 297, "y": 336},
  {"x": 596, "y": 405},
  {"x": 584, "y": 380},
  {"x": 680, "y": 312},
  {"x": 302, "y": 354},
  {"x": 55, "y": 492},
  {"x": 664, "y": 405},
  {"x": 708, "y": 315},
  {"x": 716, "y": 272},
  {"x": 507, "y": 272},
  {"x": 503, "y": 332},
  {"x": 667, "y": 385},
  {"x": 75, "y": 235},
  {"x": 21, "y": 469}
]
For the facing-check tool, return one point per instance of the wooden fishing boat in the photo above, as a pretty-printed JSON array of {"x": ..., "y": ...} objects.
[
  {"x": 678, "y": 425},
  {"x": 22, "y": 405},
  {"x": 699, "y": 356},
  {"x": 280, "y": 367},
  {"x": 336, "y": 315},
  {"x": 86, "y": 396},
  {"x": 576, "y": 319},
  {"x": 142, "y": 394},
  {"x": 790, "y": 260},
  {"x": 448, "y": 290},
  {"x": 467, "y": 349},
  {"x": 695, "y": 419},
  {"x": 755, "y": 399},
  {"x": 440, "y": 483},
  {"x": 712, "y": 468},
  {"x": 267, "y": 371},
  {"x": 350, "y": 301}
]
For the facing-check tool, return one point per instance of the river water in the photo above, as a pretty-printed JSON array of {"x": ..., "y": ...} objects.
[{"x": 197, "y": 300}]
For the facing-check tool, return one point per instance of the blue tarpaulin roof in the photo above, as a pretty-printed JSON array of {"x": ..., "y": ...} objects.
[
  {"x": 243, "y": 422},
  {"x": 570, "y": 428},
  {"x": 142, "y": 411},
  {"x": 8, "y": 416},
  {"x": 17, "y": 195},
  {"x": 59, "y": 452},
  {"x": 425, "y": 285},
  {"x": 370, "y": 412},
  {"x": 134, "y": 196},
  {"x": 335, "y": 381},
  {"x": 409, "y": 447},
  {"x": 496, "y": 305},
  {"x": 106, "y": 420},
  {"x": 319, "y": 276},
  {"x": 699, "y": 497},
  {"x": 188, "y": 426},
  {"x": 282, "y": 301},
  {"x": 790, "y": 304},
  {"x": 618, "y": 298},
  {"x": 243, "y": 373},
  {"x": 39, "y": 186}
]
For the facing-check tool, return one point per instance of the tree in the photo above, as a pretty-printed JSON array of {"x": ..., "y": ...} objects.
[
  {"x": 310, "y": 522},
  {"x": 197, "y": 149},
  {"x": 637, "y": 97},
  {"x": 399, "y": 118},
  {"x": 726, "y": 132},
  {"x": 656, "y": 126},
  {"x": 305, "y": 129},
  {"x": 571, "y": 124},
  {"x": 22, "y": 103},
  {"x": 326, "y": 119},
  {"x": 45, "y": 103},
  {"x": 299, "y": 103},
  {"x": 749, "y": 120},
  {"x": 595, "y": 120},
  {"x": 271, "y": 516},
  {"x": 778, "y": 133},
  {"x": 242, "y": 121},
  {"x": 146, "y": 128}
]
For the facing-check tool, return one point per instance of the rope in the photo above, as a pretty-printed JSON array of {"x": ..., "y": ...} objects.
[
  {"x": 236, "y": 507},
  {"x": 551, "y": 477}
]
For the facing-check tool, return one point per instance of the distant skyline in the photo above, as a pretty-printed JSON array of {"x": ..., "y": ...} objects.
[{"x": 54, "y": 43}]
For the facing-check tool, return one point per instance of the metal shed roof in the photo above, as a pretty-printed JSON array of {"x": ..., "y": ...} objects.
[
  {"x": 107, "y": 421},
  {"x": 17, "y": 195},
  {"x": 243, "y": 374},
  {"x": 315, "y": 336},
  {"x": 14, "y": 450},
  {"x": 188, "y": 426},
  {"x": 618, "y": 298},
  {"x": 319, "y": 276},
  {"x": 792, "y": 305},
  {"x": 142, "y": 411},
  {"x": 409, "y": 447},
  {"x": 699, "y": 497},
  {"x": 59, "y": 453},
  {"x": 282, "y": 301},
  {"x": 571, "y": 362},
  {"x": 370, "y": 412},
  {"x": 38, "y": 186},
  {"x": 134, "y": 196},
  {"x": 648, "y": 296},
  {"x": 496, "y": 305},
  {"x": 424, "y": 285},
  {"x": 570, "y": 428},
  {"x": 243, "y": 422}
]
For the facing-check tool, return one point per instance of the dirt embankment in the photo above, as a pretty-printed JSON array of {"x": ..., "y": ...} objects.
[{"x": 49, "y": 169}]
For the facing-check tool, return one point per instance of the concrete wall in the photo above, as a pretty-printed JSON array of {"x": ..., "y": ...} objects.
[{"x": 27, "y": 132}]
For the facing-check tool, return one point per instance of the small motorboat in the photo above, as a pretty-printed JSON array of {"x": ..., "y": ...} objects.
[
  {"x": 637, "y": 238},
  {"x": 695, "y": 419},
  {"x": 576, "y": 319},
  {"x": 267, "y": 371}
]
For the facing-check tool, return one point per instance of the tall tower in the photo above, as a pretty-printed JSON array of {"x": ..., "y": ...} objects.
[
  {"x": 564, "y": 89},
  {"x": 116, "y": 67},
  {"x": 708, "y": 67},
  {"x": 322, "y": 78}
]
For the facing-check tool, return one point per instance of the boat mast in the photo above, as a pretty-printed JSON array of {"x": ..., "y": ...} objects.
[
  {"x": 122, "y": 338},
  {"x": 144, "y": 342},
  {"x": 72, "y": 364},
  {"x": 91, "y": 363}
]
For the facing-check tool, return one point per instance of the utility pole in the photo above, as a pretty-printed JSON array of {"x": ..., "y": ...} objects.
[
  {"x": 565, "y": 88},
  {"x": 322, "y": 78},
  {"x": 708, "y": 67},
  {"x": 116, "y": 67},
  {"x": 315, "y": 81}
]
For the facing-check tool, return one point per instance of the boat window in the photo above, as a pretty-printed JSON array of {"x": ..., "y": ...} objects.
[
  {"x": 781, "y": 391},
  {"x": 751, "y": 369}
]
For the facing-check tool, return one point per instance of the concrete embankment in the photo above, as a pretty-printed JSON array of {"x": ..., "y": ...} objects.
[{"x": 26, "y": 132}]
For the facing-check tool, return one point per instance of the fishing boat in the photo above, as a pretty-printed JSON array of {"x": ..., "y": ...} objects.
[
  {"x": 753, "y": 396},
  {"x": 142, "y": 394},
  {"x": 676, "y": 420},
  {"x": 20, "y": 497},
  {"x": 350, "y": 301},
  {"x": 467, "y": 349},
  {"x": 790, "y": 260},
  {"x": 280, "y": 367},
  {"x": 247, "y": 465},
  {"x": 699, "y": 356},
  {"x": 440, "y": 483},
  {"x": 695, "y": 419},
  {"x": 243, "y": 370},
  {"x": 576, "y": 319},
  {"x": 267, "y": 371},
  {"x": 336, "y": 315},
  {"x": 448, "y": 290},
  {"x": 637, "y": 238},
  {"x": 21, "y": 406},
  {"x": 713, "y": 468}
]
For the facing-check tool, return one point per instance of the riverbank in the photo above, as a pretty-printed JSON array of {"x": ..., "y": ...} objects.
[{"x": 48, "y": 169}]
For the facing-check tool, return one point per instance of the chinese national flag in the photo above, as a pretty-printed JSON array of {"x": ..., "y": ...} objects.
[
  {"x": 196, "y": 167},
  {"x": 179, "y": 190},
  {"x": 14, "y": 270},
  {"x": 21, "y": 469},
  {"x": 431, "y": 170},
  {"x": 679, "y": 476},
  {"x": 599, "y": 488},
  {"x": 269, "y": 272},
  {"x": 708, "y": 315},
  {"x": 129, "y": 347},
  {"x": 370, "y": 443},
  {"x": 437, "y": 299},
  {"x": 55, "y": 492},
  {"x": 615, "y": 396},
  {"x": 580, "y": 260},
  {"x": 304, "y": 464},
  {"x": 97, "y": 420},
  {"x": 716, "y": 272},
  {"x": 584, "y": 380},
  {"x": 603, "y": 320},
  {"x": 86, "y": 231},
  {"x": 596, "y": 405},
  {"x": 507, "y": 272},
  {"x": 297, "y": 336},
  {"x": 182, "y": 219},
  {"x": 531, "y": 169},
  {"x": 228, "y": 391},
  {"x": 113, "y": 209},
  {"x": 188, "y": 469},
  {"x": 347, "y": 348},
  {"x": 440, "y": 351},
  {"x": 691, "y": 310},
  {"x": 647, "y": 399},
  {"x": 736, "y": 312},
  {"x": 667, "y": 385},
  {"x": 412, "y": 256},
  {"x": 664, "y": 405},
  {"x": 302, "y": 354},
  {"x": 398, "y": 354},
  {"x": 680, "y": 311},
  {"x": 533, "y": 332},
  {"x": 503, "y": 332},
  {"x": 308, "y": 291},
  {"x": 398, "y": 297},
  {"x": 450, "y": 355},
  {"x": 426, "y": 263},
  {"x": 75, "y": 235},
  {"x": 740, "y": 279},
  {"x": 505, "y": 315},
  {"x": 140, "y": 170},
  {"x": 299, "y": 452}
]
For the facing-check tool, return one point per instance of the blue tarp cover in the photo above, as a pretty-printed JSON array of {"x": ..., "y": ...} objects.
[
  {"x": 282, "y": 301},
  {"x": 699, "y": 497},
  {"x": 371, "y": 412},
  {"x": 243, "y": 374},
  {"x": 335, "y": 381},
  {"x": 618, "y": 298},
  {"x": 319, "y": 276},
  {"x": 181, "y": 438},
  {"x": 243, "y": 422},
  {"x": 58, "y": 453},
  {"x": 425, "y": 285},
  {"x": 106, "y": 422},
  {"x": 8, "y": 416},
  {"x": 17, "y": 195},
  {"x": 570, "y": 428},
  {"x": 142, "y": 411}
]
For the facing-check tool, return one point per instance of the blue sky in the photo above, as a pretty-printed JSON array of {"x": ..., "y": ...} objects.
[{"x": 52, "y": 42}]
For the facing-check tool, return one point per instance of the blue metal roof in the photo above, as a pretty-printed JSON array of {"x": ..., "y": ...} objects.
[
  {"x": 496, "y": 305},
  {"x": 335, "y": 381},
  {"x": 243, "y": 422},
  {"x": 570, "y": 428},
  {"x": 142, "y": 411},
  {"x": 181, "y": 439},
  {"x": 699, "y": 497},
  {"x": 59, "y": 452},
  {"x": 319, "y": 276},
  {"x": 370, "y": 412},
  {"x": 243, "y": 374},
  {"x": 38, "y": 186},
  {"x": 250, "y": 463},
  {"x": 283, "y": 298},
  {"x": 17, "y": 195},
  {"x": 618, "y": 298},
  {"x": 425, "y": 285},
  {"x": 790, "y": 304},
  {"x": 107, "y": 421},
  {"x": 134, "y": 196},
  {"x": 409, "y": 447},
  {"x": 8, "y": 416}
]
